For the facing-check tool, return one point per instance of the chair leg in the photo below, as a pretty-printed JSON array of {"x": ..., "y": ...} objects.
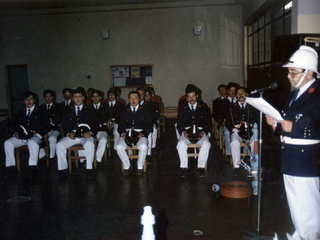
[
  {"x": 95, "y": 163},
  {"x": 18, "y": 159},
  {"x": 145, "y": 165}
]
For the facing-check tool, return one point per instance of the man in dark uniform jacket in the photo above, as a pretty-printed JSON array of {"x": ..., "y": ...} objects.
[
  {"x": 54, "y": 113},
  {"x": 114, "y": 109},
  {"x": 67, "y": 95},
  {"x": 137, "y": 117},
  {"x": 34, "y": 120},
  {"x": 242, "y": 115},
  {"x": 102, "y": 132},
  {"x": 222, "y": 89},
  {"x": 148, "y": 105},
  {"x": 155, "y": 115},
  {"x": 300, "y": 137},
  {"x": 193, "y": 112},
  {"x": 73, "y": 116}
]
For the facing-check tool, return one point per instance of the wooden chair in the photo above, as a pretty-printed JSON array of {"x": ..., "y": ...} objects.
[
  {"x": 44, "y": 144},
  {"x": 74, "y": 151},
  {"x": 133, "y": 154},
  {"x": 243, "y": 153},
  {"x": 195, "y": 154}
]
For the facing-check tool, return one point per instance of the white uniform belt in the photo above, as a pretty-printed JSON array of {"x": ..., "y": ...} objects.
[{"x": 298, "y": 141}]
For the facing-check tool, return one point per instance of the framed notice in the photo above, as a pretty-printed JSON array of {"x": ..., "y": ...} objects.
[{"x": 132, "y": 75}]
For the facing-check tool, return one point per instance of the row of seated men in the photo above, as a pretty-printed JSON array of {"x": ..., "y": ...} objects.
[
  {"x": 235, "y": 118},
  {"x": 69, "y": 119}
]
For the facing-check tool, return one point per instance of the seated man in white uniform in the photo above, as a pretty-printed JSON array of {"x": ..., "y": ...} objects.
[
  {"x": 135, "y": 117},
  {"x": 242, "y": 116},
  {"x": 74, "y": 116},
  {"x": 36, "y": 123},
  {"x": 192, "y": 113}
]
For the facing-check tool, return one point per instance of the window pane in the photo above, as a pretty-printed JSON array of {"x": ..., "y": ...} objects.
[
  {"x": 268, "y": 17},
  {"x": 249, "y": 29},
  {"x": 255, "y": 26},
  {"x": 261, "y": 22},
  {"x": 278, "y": 12},
  {"x": 255, "y": 49},
  {"x": 278, "y": 27},
  {"x": 261, "y": 46},
  {"x": 268, "y": 43},
  {"x": 288, "y": 7},
  {"x": 287, "y": 25},
  {"x": 250, "y": 50}
]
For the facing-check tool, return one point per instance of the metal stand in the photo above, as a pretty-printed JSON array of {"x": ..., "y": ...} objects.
[{"x": 257, "y": 235}]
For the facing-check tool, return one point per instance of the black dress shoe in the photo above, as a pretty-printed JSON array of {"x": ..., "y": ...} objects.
[
  {"x": 236, "y": 174},
  {"x": 139, "y": 172},
  {"x": 183, "y": 172},
  {"x": 63, "y": 174},
  {"x": 154, "y": 151},
  {"x": 201, "y": 172},
  {"x": 11, "y": 173},
  {"x": 149, "y": 159},
  {"x": 89, "y": 173},
  {"x": 227, "y": 159},
  {"x": 33, "y": 173},
  {"x": 126, "y": 171}
]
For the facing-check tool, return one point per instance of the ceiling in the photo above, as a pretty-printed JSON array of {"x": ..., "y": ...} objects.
[{"x": 49, "y": 4}]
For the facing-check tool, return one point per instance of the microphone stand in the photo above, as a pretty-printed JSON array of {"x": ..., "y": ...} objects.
[{"x": 248, "y": 235}]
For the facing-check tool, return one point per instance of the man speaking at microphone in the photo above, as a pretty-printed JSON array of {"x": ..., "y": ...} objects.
[{"x": 300, "y": 137}]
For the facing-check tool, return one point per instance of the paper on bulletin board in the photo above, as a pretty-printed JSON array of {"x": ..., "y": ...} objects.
[
  {"x": 149, "y": 80},
  {"x": 118, "y": 72},
  {"x": 119, "y": 82},
  {"x": 135, "y": 72}
]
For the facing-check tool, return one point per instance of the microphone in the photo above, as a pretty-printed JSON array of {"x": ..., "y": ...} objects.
[{"x": 273, "y": 85}]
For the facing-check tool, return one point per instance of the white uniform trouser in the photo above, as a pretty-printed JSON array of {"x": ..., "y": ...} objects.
[
  {"x": 182, "y": 148},
  {"x": 154, "y": 135},
  {"x": 149, "y": 143},
  {"x": 121, "y": 150},
  {"x": 226, "y": 134},
  {"x": 102, "y": 136},
  {"x": 177, "y": 132},
  {"x": 116, "y": 136},
  {"x": 235, "y": 147},
  {"x": 304, "y": 203},
  {"x": 66, "y": 142},
  {"x": 52, "y": 138},
  {"x": 33, "y": 146}
]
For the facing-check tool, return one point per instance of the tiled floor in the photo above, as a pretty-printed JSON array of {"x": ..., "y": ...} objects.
[{"x": 110, "y": 205}]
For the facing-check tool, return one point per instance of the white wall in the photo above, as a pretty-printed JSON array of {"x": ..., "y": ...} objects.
[{"x": 62, "y": 48}]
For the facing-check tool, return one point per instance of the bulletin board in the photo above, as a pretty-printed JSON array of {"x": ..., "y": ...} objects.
[{"x": 132, "y": 75}]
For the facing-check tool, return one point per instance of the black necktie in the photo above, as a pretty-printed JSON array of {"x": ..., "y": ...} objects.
[
  {"x": 29, "y": 113},
  {"x": 242, "y": 107},
  {"x": 48, "y": 107},
  {"x": 294, "y": 97},
  {"x": 134, "y": 111},
  {"x": 67, "y": 103},
  {"x": 96, "y": 108},
  {"x": 192, "y": 109},
  {"x": 231, "y": 100},
  {"x": 78, "y": 111}
]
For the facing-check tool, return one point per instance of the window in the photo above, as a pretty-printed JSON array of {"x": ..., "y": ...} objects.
[{"x": 268, "y": 21}]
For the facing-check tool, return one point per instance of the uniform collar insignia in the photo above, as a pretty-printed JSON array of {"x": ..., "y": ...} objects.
[{"x": 311, "y": 90}]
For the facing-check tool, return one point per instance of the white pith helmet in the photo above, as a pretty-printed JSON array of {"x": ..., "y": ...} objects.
[{"x": 306, "y": 58}]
